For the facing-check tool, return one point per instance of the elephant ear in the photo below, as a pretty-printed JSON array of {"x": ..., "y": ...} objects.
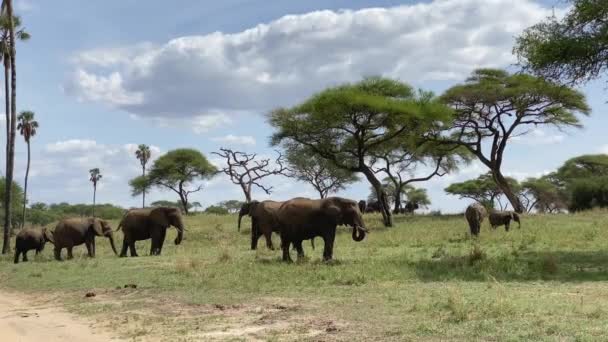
[
  {"x": 160, "y": 216},
  {"x": 95, "y": 225},
  {"x": 48, "y": 235},
  {"x": 334, "y": 212},
  {"x": 252, "y": 207}
]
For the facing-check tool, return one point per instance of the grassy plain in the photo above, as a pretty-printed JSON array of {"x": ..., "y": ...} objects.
[{"x": 424, "y": 279}]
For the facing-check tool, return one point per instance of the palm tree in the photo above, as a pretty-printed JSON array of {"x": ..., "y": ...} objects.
[
  {"x": 143, "y": 154},
  {"x": 27, "y": 128},
  {"x": 7, "y": 31},
  {"x": 95, "y": 177}
]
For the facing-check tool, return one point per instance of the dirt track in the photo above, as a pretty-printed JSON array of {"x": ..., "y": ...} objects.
[{"x": 24, "y": 320}]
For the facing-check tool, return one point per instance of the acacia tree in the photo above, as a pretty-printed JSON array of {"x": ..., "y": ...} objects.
[
  {"x": 573, "y": 49},
  {"x": 493, "y": 106},
  {"x": 94, "y": 178},
  {"x": 143, "y": 154},
  {"x": 176, "y": 170},
  {"x": 482, "y": 189},
  {"x": 247, "y": 170},
  {"x": 7, "y": 10},
  {"x": 27, "y": 128},
  {"x": 416, "y": 198},
  {"x": 401, "y": 163},
  {"x": 319, "y": 172},
  {"x": 346, "y": 124},
  {"x": 544, "y": 195}
]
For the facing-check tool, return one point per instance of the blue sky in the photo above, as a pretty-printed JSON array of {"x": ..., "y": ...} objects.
[{"x": 105, "y": 76}]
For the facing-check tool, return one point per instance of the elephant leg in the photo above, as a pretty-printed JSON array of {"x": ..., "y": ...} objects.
[
  {"x": 89, "y": 249},
  {"x": 93, "y": 247},
  {"x": 507, "y": 226},
  {"x": 17, "y": 255},
  {"x": 155, "y": 235},
  {"x": 132, "y": 249},
  {"x": 268, "y": 236},
  {"x": 24, "y": 256},
  {"x": 328, "y": 248},
  {"x": 123, "y": 251},
  {"x": 70, "y": 255},
  {"x": 57, "y": 252},
  {"x": 298, "y": 246},
  {"x": 286, "y": 256},
  {"x": 161, "y": 241}
]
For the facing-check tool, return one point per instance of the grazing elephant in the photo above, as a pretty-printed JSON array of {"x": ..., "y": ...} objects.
[
  {"x": 475, "y": 214},
  {"x": 503, "y": 218},
  {"x": 263, "y": 220},
  {"x": 28, "y": 239},
  {"x": 303, "y": 219},
  {"x": 76, "y": 231},
  {"x": 143, "y": 224},
  {"x": 362, "y": 206},
  {"x": 410, "y": 207}
]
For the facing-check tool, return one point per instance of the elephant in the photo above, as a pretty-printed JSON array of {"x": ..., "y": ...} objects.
[
  {"x": 362, "y": 206},
  {"x": 263, "y": 220},
  {"x": 143, "y": 224},
  {"x": 373, "y": 207},
  {"x": 475, "y": 215},
  {"x": 503, "y": 218},
  {"x": 303, "y": 219},
  {"x": 28, "y": 239},
  {"x": 72, "y": 232},
  {"x": 410, "y": 207}
]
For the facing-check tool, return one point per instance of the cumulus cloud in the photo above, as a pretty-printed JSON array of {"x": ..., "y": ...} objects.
[
  {"x": 285, "y": 60},
  {"x": 235, "y": 139},
  {"x": 538, "y": 137},
  {"x": 604, "y": 149}
]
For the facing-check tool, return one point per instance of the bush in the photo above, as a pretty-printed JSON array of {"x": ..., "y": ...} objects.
[
  {"x": 589, "y": 193},
  {"x": 216, "y": 210}
]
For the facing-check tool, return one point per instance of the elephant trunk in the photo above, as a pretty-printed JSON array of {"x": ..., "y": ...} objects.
[
  {"x": 180, "y": 235},
  {"x": 111, "y": 238},
  {"x": 359, "y": 233},
  {"x": 241, "y": 214}
]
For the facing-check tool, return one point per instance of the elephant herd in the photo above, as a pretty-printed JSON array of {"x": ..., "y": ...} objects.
[
  {"x": 302, "y": 219},
  {"x": 295, "y": 220},
  {"x": 476, "y": 213},
  {"x": 136, "y": 225}
]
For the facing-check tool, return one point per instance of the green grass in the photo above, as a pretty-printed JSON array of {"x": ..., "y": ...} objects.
[{"x": 424, "y": 279}]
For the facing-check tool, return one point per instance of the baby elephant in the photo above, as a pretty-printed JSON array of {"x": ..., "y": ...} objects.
[
  {"x": 503, "y": 218},
  {"x": 28, "y": 239},
  {"x": 475, "y": 214}
]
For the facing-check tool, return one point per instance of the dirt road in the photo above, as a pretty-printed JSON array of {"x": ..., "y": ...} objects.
[{"x": 22, "y": 319}]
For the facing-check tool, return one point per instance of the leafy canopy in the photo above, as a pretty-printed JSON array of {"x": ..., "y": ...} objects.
[
  {"x": 573, "y": 49},
  {"x": 482, "y": 189}
]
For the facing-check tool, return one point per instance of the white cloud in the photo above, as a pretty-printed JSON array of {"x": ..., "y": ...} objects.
[
  {"x": 72, "y": 146},
  {"x": 284, "y": 61},
  {"x": 24, "y": 6},
  {"x": 604, "y": 149},
  {"x": 538, "y": 137},
  {"x": 235, "y": 139}
]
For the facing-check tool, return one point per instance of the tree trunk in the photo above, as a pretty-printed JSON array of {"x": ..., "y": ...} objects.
[
  {"x": 382, "y": 200},
  {"x": 506, "y": 189},
  {"x": 94, "y": 195},
  {"x": 27, "y": 174},
  {"x": 397, "y": 202},
  {"x": 143, "y": 195},
  {"x": 11, "y": 156},
  {"x": 7, "y": 192}
]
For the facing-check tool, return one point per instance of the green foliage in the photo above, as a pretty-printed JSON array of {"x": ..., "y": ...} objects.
[
  {"x": 216, "y": 210},
  {"x": 482, "y": 189},
  {"x": 588, "y": 193},
  {"x": 175, "y": 170},
  {"x": 545, "y": 195},
  {"x": 16, "y": 204},
  {"x": 418, "y": 196},
  {"x": 573, "y": 49},
  {"x": 321, "y": 173},
  {"x": 585, "y": 166},
  {"x": 42, "y": 214},
  {"x": 233, "y": 206}
]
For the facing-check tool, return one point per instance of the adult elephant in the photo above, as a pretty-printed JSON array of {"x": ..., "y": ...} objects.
[
  {"x": 475, "y": 215},
  {"x": 362, "y": 206},
  {"x": 503, "y": 218},
  {"x": 28, "y": 239},
  {"x": 303, "y": 219},
  {"x": 72, "y": 232},
  {"x": 263, "y": 220},
  {"x": 143, "y": 224}
]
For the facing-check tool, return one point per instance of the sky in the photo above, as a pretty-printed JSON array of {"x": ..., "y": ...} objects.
[{"x": 104, "y": 76}]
